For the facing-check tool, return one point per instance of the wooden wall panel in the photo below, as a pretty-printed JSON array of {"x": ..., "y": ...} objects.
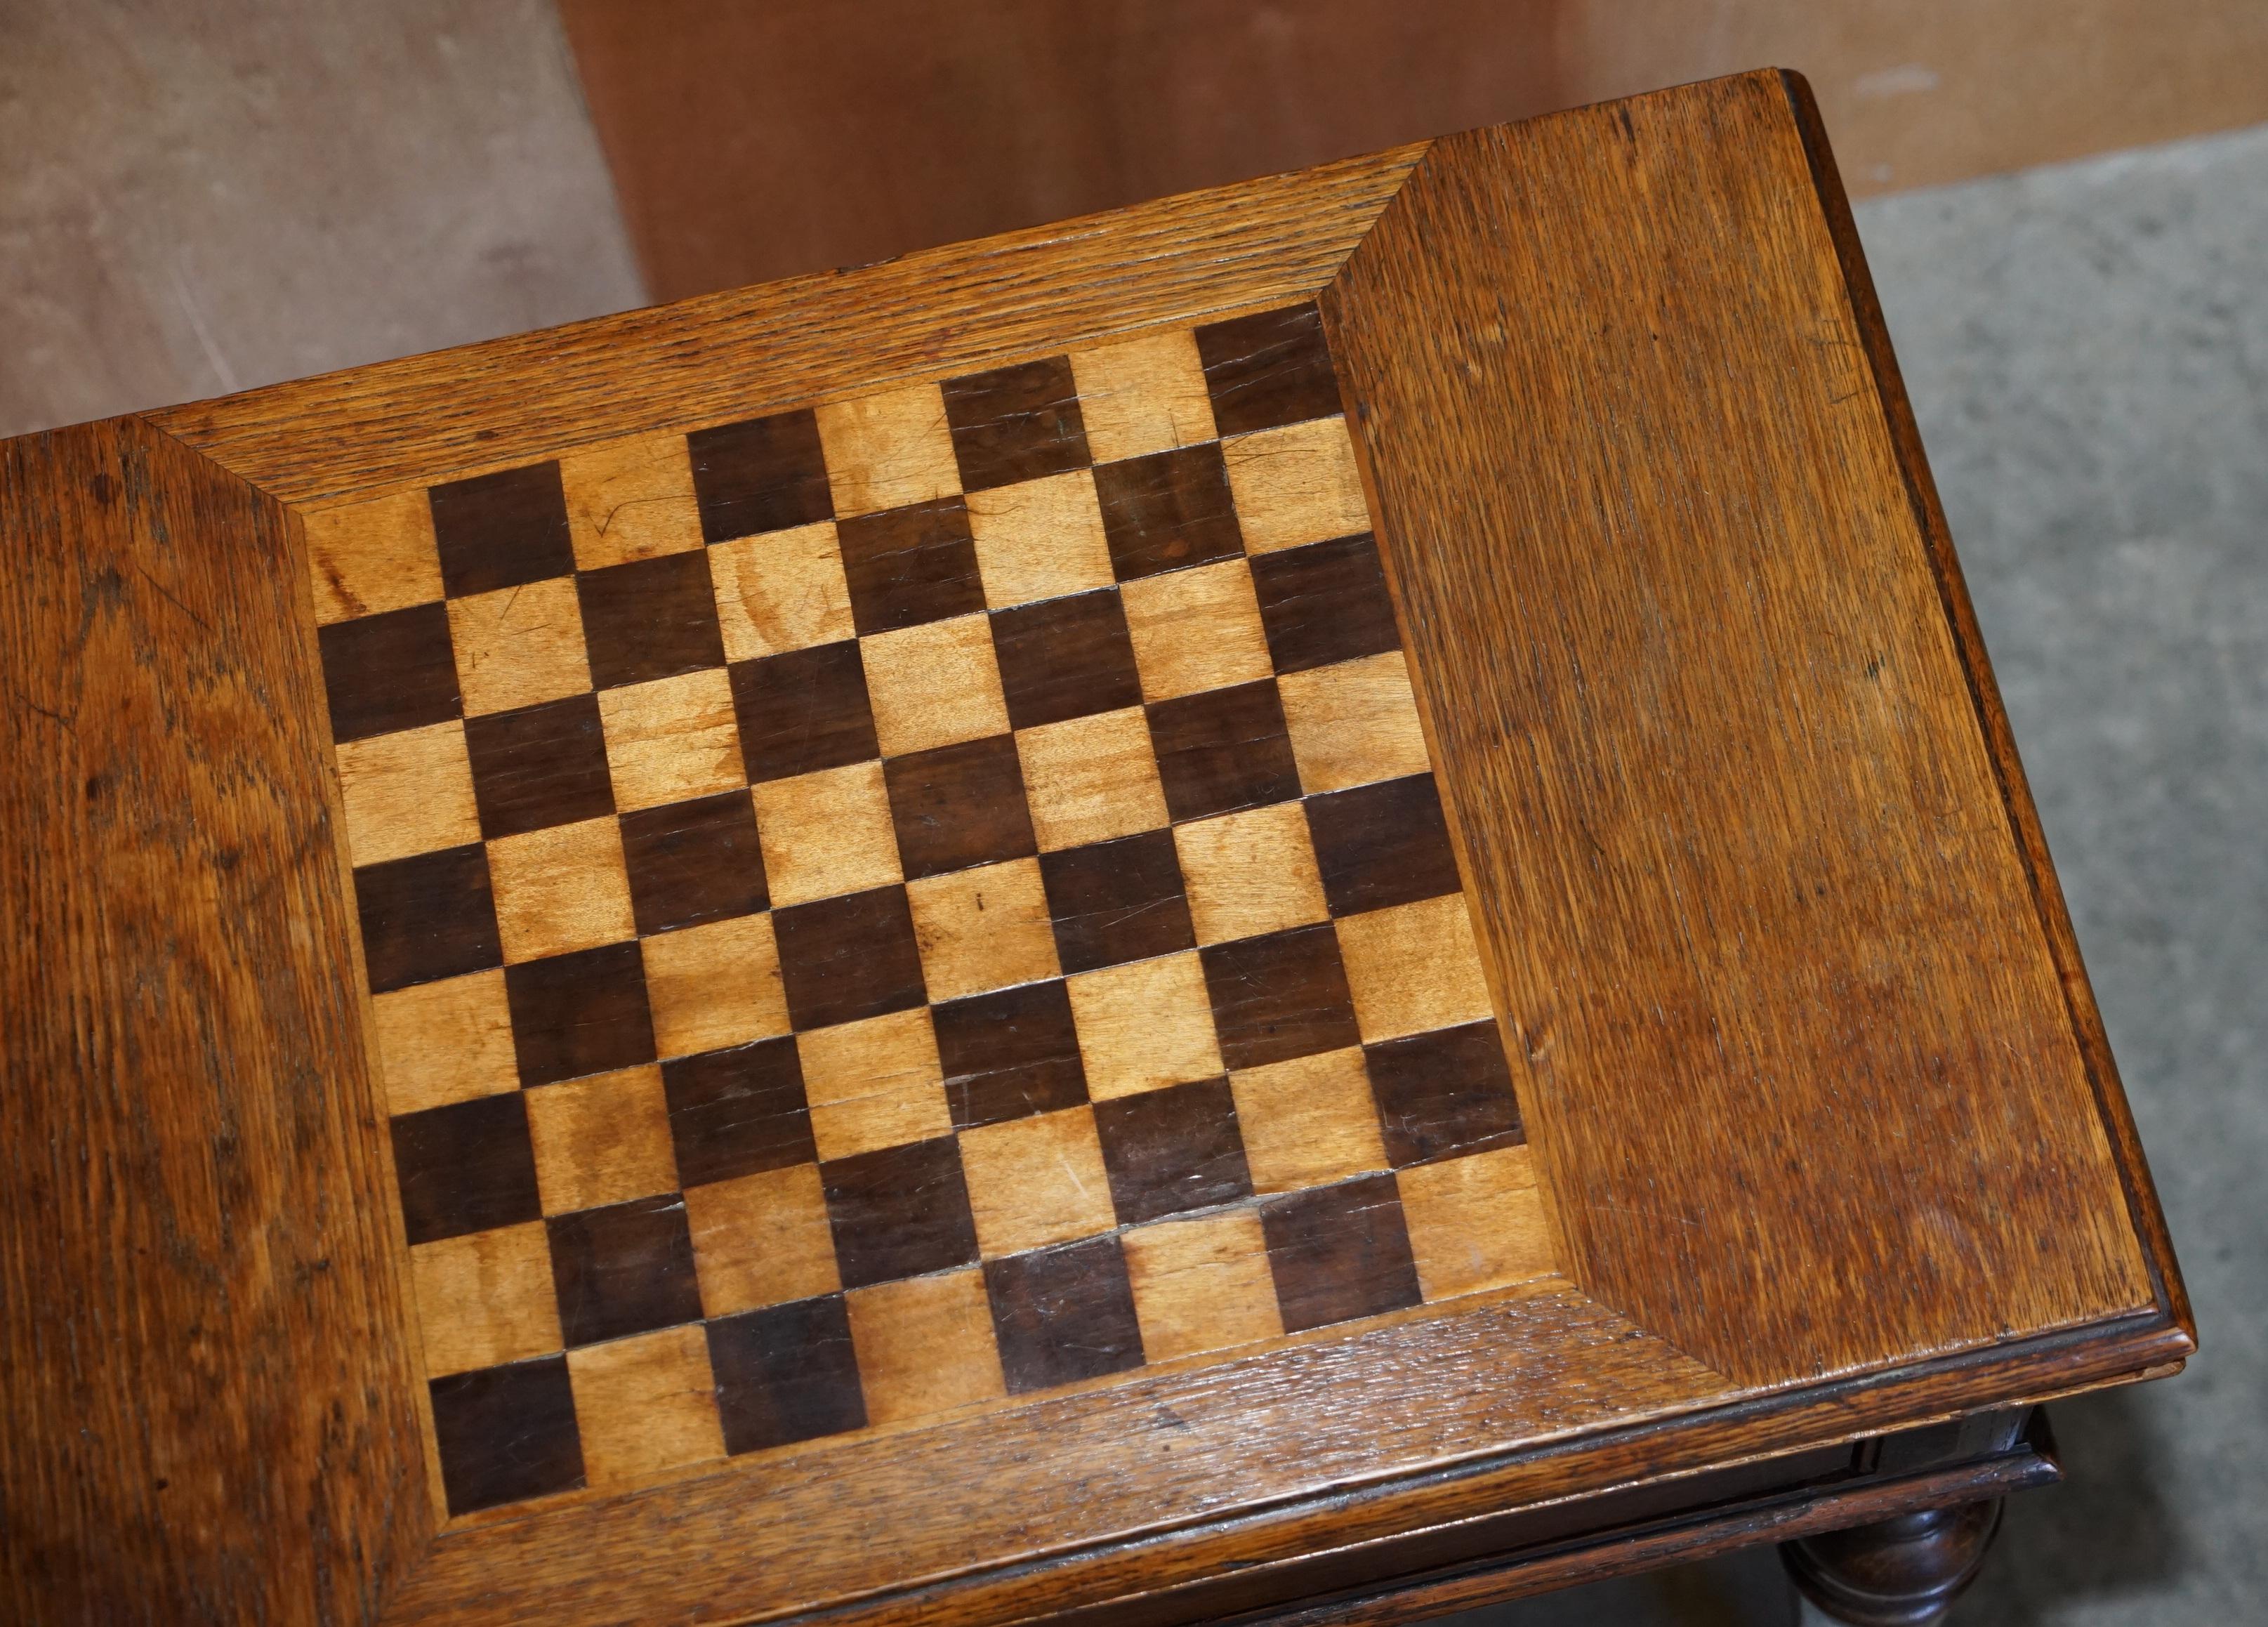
[{"x": 755, "y": 141}]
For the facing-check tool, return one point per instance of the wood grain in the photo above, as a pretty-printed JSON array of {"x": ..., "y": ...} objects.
[
  {"x": 197, "y": 1252},
  {"x": 1798, "y": 1060},
  {"x": 1637, "y": 292},
  {"x": 1552, "y": 1361},
  {"x": 2055, "y": 916},
  {"x": 928, "y": 316},
  {"x": 1660, "y": 1520}
]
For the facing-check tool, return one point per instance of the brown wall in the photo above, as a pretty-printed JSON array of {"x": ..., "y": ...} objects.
[{"x": 754, "y": 138}]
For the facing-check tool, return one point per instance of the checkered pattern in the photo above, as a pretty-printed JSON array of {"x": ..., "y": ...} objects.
[{"x": 879, "y": 907}]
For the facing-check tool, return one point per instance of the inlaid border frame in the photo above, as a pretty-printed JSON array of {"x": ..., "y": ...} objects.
[{"x": 1545, "y": 332}]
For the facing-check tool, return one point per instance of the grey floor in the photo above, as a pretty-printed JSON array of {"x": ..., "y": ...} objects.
[{"x": 201, "y": 198}]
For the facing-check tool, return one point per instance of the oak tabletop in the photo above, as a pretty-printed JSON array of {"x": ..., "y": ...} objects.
[{"x": 1015, "y": 931}]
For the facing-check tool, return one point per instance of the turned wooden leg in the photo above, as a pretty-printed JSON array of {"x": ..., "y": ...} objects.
[{"x": 1901, "y": 1572}]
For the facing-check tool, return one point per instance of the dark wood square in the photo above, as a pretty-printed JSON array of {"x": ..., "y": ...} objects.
[
  {"x": 651, "y": 618},
  {"x": 1066, "y": 657},
  {"x": 507, "y": 1434},
  {"x": 737, "y": 1112},
  {"x": 502, "y": 530},
  {"x": 910, "y": 565},
  {"x": 468, "y": 1166},
  {"x": 1448, "y": 1091},
  {"x": 1010, "y": 1053},
  {"x": 579, "y": 1014},
  {"x": 1340, "y": 1252},
  {"x": 1063, "y": 1314},
  {"x": 804, "y": 710},
  {"x": 1015, "y": 423},
  {"x": 900, "y": 1212},
  {"x": 784, "y": 1373},
  {"x": 539, "y": 766},
  {"x": 1173, "y": 1150},
  {"x": 389, "y": 672},
  {"x": 1269, "y": 369},
  {"x": 426, "y": 917},
  {"x": 624, "y": 1268},
  {"x": 959, "y": 806},
  {"x": 1381, "y": 845},
  {"x": 760, "y": 475},
  {"x": 842, "y": 959},
  {"x": 1119, "y": 901},
  {"x": 691, "y": 862},
  {"x": 1224, "y": 749},
  {"x": 1168, "y": 510},
  {"x": 1325, "y": 603},
  {"x": 1280, "y": 995}
]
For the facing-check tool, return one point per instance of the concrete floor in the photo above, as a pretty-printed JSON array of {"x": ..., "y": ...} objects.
[
  {"x": 196, "y": 199},
  {"x": 199, "y": 199}
]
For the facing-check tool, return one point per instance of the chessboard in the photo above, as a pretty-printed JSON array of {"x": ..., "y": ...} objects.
[{"x": 882, "y": 909}]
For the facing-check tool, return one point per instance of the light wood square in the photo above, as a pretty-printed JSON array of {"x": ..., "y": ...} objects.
[
  {"x": 1091, "y": 779},
  {"x": 781, "y": 590},
  {"x": 714, "y": 986},
  {"x": 924, "y": 1345},
  {"x": 645, "y": 1404},
  {"x": 1296, "y": 484},
  {"x": 485, "y": 1299},
  {"x": 408, "y": 792},
  {"x": 1036, "y": 1180},
  {"x": 1143, "y": 396},
  {"x": 933, "y": 685},
  {"x": 518, "y": 646},
  {"x": 1039, "y": 539},
  {"x": 885, "y": 452},
  {"x": 1475, "y": 1222},
  {"x": 872, "y": 1084},
  {"x": 762, "y": 1239},
  {"x": 672, "y": 740},
  {"x": 1308, "y": 1121},
  {"x": 631, "y": 499},
  {"x": 827, "y": 833},
  {"x": 1353, "y": 723},
  {"x": 1202, "y": 1284},
  {"x": 373, "y": 557},
  {"x": 1144, "y": 1025},
  {"x": 983, "y": 929},
  {"x": 446, "y": 1042},
  {"x": 602, "y": 1140},
  {"x": 1195, "y": 629},
  {"x": 560, "y": 889},
  {"x": 1250, "y": 872},
  {"x": 1413, "y": 968}
]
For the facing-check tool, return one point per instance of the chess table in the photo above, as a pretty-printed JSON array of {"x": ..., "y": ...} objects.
[{"x": 1307, "y": 903}]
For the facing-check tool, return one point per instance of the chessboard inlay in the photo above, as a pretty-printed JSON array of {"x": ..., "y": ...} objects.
[{"x": 880, "y": 909}]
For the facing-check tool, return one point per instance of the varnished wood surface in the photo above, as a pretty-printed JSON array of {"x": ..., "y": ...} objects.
[
  {"x": 1695, "y": 756},
  {"x": 1690, "y": 249},
  {"x": 208, "y": 1413},
  {"x": 1729, "y": 1522},
  {"x": 730, "y": 357},
  {"x": 2148, "y": 1219},
  {"x": 844, "y": 1520},
  {"x": 1100, "y": 1034}
]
